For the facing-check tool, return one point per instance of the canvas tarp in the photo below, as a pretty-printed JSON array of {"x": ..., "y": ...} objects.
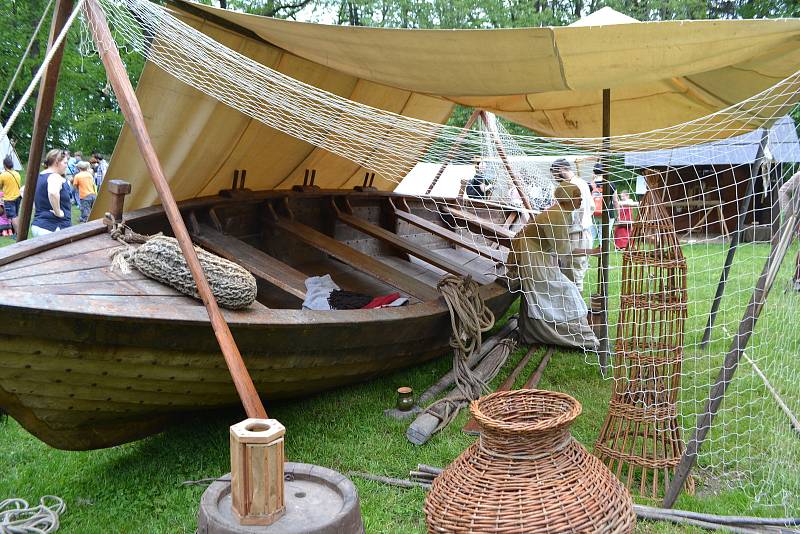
[{"x": 549, "y": 79}]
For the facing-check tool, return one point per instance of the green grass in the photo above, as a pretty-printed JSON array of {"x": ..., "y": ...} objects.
[{"x": 137, "y": 487}]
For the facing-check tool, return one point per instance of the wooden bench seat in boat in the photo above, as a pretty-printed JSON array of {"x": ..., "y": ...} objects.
[
  {"x": 357, "y": 260},
  {"x": 496, "y": 232},
  {"x": 447, "y": 234},
  {"x": 403, "y": 245},
  {"x": 259, "y": 263}
]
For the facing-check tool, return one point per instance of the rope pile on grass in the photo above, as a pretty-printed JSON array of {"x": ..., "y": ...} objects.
[
  {"x": 160, "y": 258},
  {"x": 18, "y": 517}
]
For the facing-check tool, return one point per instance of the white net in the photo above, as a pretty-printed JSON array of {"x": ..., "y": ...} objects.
[{"x": 498, "y": 190}]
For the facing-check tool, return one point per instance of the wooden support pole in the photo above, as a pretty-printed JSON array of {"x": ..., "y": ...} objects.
[
  {"x": 605, "y": 237},
  {"x": 723, "y": 278},
  {"x": 780, "y": 245},
  {"x": 504, "y": 158},
  {"x": 453, "y": 149},
  {"x": 41, "y": 118},
  {"x": 129, "y": 105}
]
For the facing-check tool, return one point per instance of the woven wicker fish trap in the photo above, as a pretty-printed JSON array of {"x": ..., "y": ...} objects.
[
  {"x": 640, "y": 440},
  {"x": 526, "y": 473}
]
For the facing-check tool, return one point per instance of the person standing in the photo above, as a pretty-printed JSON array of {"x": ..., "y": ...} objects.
[
  {"x": 100, "y": 171},
  {"x": 87, "y": 190},
  {"x": 51, "y": 200},
  {"x": 597, "y": 186},
  {"x": 10, "y": 185},
  {"x": 72, "y": 171},
  {"x": 574, "y": 266}
]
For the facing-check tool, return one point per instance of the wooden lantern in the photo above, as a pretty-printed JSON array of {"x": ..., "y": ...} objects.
[{"x": 257, "y": 471}]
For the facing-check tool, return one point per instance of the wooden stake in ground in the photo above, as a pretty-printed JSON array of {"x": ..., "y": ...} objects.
[
  {"x": 42, "y": 116},
  {"x": 129, "y": 105}
]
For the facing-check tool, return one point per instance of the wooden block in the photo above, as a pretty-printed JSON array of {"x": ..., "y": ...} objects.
[{"x": 257, "y": 471}]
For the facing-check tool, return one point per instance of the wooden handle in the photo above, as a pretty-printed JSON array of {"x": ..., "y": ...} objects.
[{"x": 129, "y": 105}]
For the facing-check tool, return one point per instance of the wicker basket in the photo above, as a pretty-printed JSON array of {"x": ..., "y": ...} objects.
[{"x": 527, "y": 474}]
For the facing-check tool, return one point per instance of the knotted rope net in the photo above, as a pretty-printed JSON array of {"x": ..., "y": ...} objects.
[{"x": 159, "y": 257}]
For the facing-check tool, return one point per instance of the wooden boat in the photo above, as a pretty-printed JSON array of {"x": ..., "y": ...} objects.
[{"x": 93, "y": 358}]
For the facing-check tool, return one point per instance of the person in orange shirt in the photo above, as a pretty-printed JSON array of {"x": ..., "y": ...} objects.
[{"x": 87, "y": 191}]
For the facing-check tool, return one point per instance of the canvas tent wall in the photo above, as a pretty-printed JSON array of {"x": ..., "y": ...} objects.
[
  {"x": 719, "y": 173},
  {"x": 551, "y": 80},
  {"x": 7, "y": 149}
]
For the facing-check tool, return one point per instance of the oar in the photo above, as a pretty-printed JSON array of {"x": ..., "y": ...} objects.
[
  {"x": 533, "y": 381},
  {"x": 472, "y": 426}
]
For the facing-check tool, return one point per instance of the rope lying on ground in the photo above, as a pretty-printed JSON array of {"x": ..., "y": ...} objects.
[
  {"x": 18, "y": 517},
  {"x": 160, "y": 258}
]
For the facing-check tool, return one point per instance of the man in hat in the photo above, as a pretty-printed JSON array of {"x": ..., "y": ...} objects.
[{"x": 575, "y": 266}]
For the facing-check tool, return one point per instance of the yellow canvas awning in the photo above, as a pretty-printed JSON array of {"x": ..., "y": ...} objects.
[{"x": 549, "y": 79}]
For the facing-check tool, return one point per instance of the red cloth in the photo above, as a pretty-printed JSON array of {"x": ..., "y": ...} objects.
[
  {"x": 622, "y": 235},
  {"x": 377, "y": 302}
]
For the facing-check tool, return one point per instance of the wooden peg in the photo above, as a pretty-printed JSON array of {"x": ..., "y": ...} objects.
[
  {"x": 257, "y": 471},
  {"x": 118, "y": 190},
  {"x": 235, "y": 179}
]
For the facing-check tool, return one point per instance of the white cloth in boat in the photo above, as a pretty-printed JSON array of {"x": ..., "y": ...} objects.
[
  {"x": 553, "y": 307},
  {"x": 318, "y": 289}
]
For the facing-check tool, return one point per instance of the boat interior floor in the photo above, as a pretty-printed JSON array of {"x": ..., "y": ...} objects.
[{"x": 365, "y": 247}]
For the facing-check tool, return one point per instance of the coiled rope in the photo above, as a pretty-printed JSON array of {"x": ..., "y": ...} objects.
[
  {"x": 469, "y": 319},
  {"x": 18, "y": 517},
  {"x": 160, "y": 258}
]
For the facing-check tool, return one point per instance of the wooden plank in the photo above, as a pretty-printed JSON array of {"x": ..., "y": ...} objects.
[
  {"x": 402, "y": 244},
  {"x": 446, "y": 233},
  {"x": 497, "y": 233},
  {"x": 357, "y": 260},
  {"x": 259, "y": 263}
]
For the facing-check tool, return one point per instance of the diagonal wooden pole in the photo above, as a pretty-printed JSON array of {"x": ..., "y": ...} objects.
[
  {"x": 726, "y": 268},
  {"x": 453, "y": 149},
  {"x": 126, "y": 96},
  {"x": 780, "y": 245},
  {"x": 506, "y": 163},
  {"x": 605, "y": 238},
  {"x": 42, "y": 115}
]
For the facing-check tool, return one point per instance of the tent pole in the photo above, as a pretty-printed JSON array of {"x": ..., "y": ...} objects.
[
  {"x": 605, "y": 237},
  {"x": 44, "y": 112},
  {"x": 129, "y": 105},
  {"x": 452, "y": 152},
  {"x": 780, "y": 246},
  {"x": 504, "y": 158},
  {"x": 723, "y": 278}
]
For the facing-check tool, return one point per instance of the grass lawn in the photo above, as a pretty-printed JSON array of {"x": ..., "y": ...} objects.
[{"x": 137, "y": 487}]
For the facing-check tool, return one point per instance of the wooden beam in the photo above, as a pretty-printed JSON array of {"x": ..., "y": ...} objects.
[
  {"x": 357, "y": 260},
  {"x": 453, "y": 149},
  {"x": 41, "y": 117},
  {"x": 259, "y": 263},
  {"x": 132, "y": 112},
  {"x": 400, "y": 243},
  {"x": 446, "y": 233},
  {"x": 780, "y": 246},
  {"x": 723, "y": 277},
  {"x": 497, "y": 233}
]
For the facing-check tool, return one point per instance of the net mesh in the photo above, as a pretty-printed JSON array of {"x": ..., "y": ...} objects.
[{"x": 709, "y": 182}]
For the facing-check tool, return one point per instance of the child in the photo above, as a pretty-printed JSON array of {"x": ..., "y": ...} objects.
[
  {"x": 622, "y": 228},
  {"x": 5, "y": 223}
]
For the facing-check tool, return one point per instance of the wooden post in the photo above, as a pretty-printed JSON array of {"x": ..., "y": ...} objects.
[
  {"x": 605, "y": 237},
  {"x": 118, "y": 190},
  {"x": 726, "y": 268},
  {"x": 42, "y": 116},
  {"x": 504, "y": 158},
  {"x": 257, "y": 471},
  {"x": 126, "y": 97},
  {"x": 452, "y": 152},
  {"x": 780, "y": 245}
]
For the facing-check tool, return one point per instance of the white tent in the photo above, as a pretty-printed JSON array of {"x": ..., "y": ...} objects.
[{"x": 7, "y": 149}]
